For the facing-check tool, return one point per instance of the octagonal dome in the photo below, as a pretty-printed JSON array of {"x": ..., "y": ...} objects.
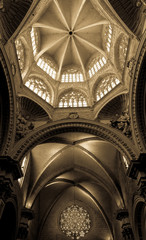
[{"x": 67, "y": 40}]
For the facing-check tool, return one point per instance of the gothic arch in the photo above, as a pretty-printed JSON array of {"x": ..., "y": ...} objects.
[
  {"x": 8, "y": 101},
  {"x": 138, "y": 95},
  {"x": 122, "y": 143}
]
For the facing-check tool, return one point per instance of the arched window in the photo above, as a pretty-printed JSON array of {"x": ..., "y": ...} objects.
[
  {"x": 20, "y": 53},
  {"x": 105, "y": 86},
  {"x": 34, "y": 40},
  {"x": 73, "y": 99},
  {"x": 108, "y": 37},
  {"x": 123, "y": 44},
  {"x": 38, "y": 87},
  {"x": 96, "y": 65},
  {"x": 47, "y": 67},
  {"x": 72, "y": 75}
]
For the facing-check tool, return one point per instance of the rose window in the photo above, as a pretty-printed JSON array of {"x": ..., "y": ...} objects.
[{"x": 75, "y": 222}]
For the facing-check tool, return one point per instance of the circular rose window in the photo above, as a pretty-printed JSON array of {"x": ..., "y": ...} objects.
[{"x": 75, "y": 222}]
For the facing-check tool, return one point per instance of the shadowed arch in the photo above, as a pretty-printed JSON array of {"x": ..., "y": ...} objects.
[{"x": 117, "y": 139}]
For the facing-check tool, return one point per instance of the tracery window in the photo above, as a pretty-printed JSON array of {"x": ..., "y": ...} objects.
[
  {"x": 108, "y": 37},
  {"x": 123, "y": 50},
  {"x": 72, "y": 75},
  {"x": 96, "y": 65},
  {"x": 105, "y": 86},
  {"x": 34, "y": 40},
  {"x": 39, "y": 88},
  {"x": 47, "y": 67},
  {"x": 75, "y": 222},
  {"x": 73, "y": 99},
  {"x": 20, "y": 53}
]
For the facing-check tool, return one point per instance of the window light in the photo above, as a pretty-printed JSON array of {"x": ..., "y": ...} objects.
[
  {"x": 108, "y": 37},
  {"x": 105, "y": 86},
  {"x": 44, "y": 65},
  {"x": 72, "y": 77},
  {"x": 39, "y": 88},
  {"x": 73, "y": 99},
  {"x": 96, "y": 65}
]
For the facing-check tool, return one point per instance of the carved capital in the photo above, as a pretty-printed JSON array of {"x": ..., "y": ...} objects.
[
  {"x": 122, "y": 214},
  {"x": 10, "y": 167},
  {"x": 127, "y": 232},
  {"x": 22, "y": 231},
  {"x": 27, "y": 213},
  {"x": 137, "y": 166},
  {"x": 142, "y": 185}
]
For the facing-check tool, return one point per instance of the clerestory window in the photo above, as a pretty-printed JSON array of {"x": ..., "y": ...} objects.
[
  {"x": 105, "y": 86},
  {"x": 38, "y": 87},
  {"x": 73, "y": 99}
]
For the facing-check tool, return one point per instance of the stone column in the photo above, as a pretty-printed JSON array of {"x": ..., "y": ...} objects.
[
  {"x": 10, "y": 171},
  {"x": 26, "y": 216},
  {"x": 123, "y": 216}
]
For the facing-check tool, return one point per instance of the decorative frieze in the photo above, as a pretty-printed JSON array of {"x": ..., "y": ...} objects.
[{"x": 123, "y": 124}]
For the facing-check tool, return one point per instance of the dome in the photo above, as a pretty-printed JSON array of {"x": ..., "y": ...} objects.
[{"x": 67, "y": 38}]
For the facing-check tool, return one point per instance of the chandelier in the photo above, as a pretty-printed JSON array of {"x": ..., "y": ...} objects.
[{"x": 75, "y": 222}]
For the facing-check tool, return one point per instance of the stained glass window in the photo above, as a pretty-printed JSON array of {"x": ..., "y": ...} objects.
[
  {"x": 75, "y": 222},
  {"x": 39, "y": 88},
  {"x": 73, "y": 99},
  {"x": 105, "y": 86}
]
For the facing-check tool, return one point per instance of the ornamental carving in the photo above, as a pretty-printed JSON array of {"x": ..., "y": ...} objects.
[
  {"x": 23, "y": 127},
  {"x": 123, "y": 124}
]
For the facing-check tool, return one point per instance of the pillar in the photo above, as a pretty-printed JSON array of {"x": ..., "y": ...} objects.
[
  {"x": 10, "y": 171},
  {"x": 26, "y": 216}
]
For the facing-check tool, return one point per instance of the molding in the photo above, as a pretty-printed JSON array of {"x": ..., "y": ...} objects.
[
  {"x": 42, "y": 134},
  {"x": 137, "y": 108},
  {"x": 12, "y": 100}
]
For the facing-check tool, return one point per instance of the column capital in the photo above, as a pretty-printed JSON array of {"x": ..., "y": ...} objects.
[
  {"x": 137, "y": 166},
  {"x": 10, "y": 166},
  {"x": 122, "y": 214}
]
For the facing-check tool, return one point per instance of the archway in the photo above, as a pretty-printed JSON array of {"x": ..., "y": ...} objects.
[{"x": 8, "y": 222}]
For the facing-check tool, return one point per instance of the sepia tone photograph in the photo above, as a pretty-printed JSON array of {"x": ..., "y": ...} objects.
[{"x": 72, "y": 119}]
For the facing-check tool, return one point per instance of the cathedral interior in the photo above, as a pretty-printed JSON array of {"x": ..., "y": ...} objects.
[{"x": 72, "y": 119}]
